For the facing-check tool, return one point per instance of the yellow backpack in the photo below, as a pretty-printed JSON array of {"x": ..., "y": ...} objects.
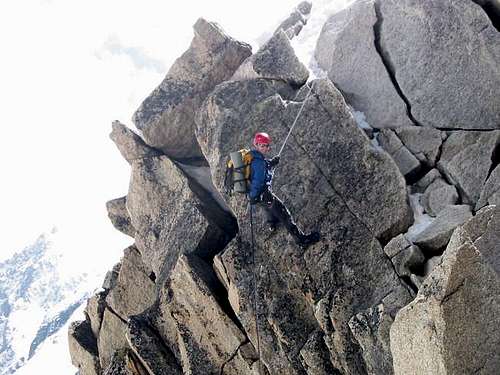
[{"x": 236, "y": 175}]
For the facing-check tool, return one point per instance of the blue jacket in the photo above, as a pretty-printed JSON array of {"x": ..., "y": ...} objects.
[{"x": 260, "y": 174}]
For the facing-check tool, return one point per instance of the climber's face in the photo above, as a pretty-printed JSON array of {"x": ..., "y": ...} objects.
[{"x": 263, "y": 147}]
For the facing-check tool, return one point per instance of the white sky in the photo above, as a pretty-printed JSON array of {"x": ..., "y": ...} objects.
[{"x": 67, "y": 69}]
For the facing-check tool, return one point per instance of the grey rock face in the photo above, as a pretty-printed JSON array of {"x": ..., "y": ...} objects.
[
  {"x": 315, "y": 357},
  {"x": 149, "y": 349},
  {"x": 346, "y": 50},
  {"x": 490, "y": 193},
  {"x": 405, "y": 256},
  {"x": 119, "y": 216},
  {"x": 445, "y": 57},
  {"x": 321, "y": 194},
  {"x": 371, "y": 330},
  {"x": 245, "y": 107},
  {"x": 166, "y": 116},
  {"x": 408, "y": 260},
  {"x": 458, "y": 302},
  {"x": 163, "y": 209},
  {"x": 276, "y": 59},
  {"x": 396, "y": 245},
  {"x": 111, "y": 337},
  {"x": 123, "y": 362},
  {"x": 134, "y": 291},
  {"x": 83, "y": 348},
  {"x": 423, "y": 142},
  {"x": 437, "y": 235},
  {"x": 407, "y": 163},
  {"x": 95, "y": 311},
  {"x": 431, "y": 264},
  {"x": 202, "y": 331},
  {"x": 111, "y": 277},
  {"x": 437, "y": 196},
  {"x": 425, "y": 181},
  {"x": 131, "y": 146},
  {"x": 466, "y": 159}
]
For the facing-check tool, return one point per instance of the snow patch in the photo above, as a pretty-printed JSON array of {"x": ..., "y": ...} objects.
[
  {"x": 422, "y": 221},
  {"x": 305, "y": 43}
]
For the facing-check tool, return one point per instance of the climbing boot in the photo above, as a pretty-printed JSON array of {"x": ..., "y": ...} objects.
[
  {"x": 271, "y": 227},
  {"x": 305, "y": 240}
]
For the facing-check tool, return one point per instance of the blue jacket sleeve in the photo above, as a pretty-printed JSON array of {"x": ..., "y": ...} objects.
[{"x": 257, "y": 177}]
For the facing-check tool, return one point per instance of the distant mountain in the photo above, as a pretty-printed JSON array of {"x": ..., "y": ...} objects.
[{"x": 36, "y": 300}]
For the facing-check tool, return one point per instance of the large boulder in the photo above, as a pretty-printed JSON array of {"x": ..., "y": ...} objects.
[
  {"x": 435, "y": 237},
  {"x": 124, "y": 362},
  {"x": 165, "y": 212},
  {"x": 452, "y": 325},
  {"x": 190, "y": 317},
  {"x": 466, "y": 159},
  {"x": 327, "y": 134},
  {"x": 135, "y": 290},
  {"x": 166, "y": 117},
  {"x": 423, "y": 142},
  {"x": 119, "y": 216},
  {"x": 445, "y": 57},
  {"x": 83, "y": 348},
  {"x": 149, "y": 348},
  {"x": 130, "y": 145},
  {"x": 111, "y": 337},
  {"x": 490, "y": 194},
  {"x": 438, "y": 195},
  {"x": 316, "y": 180},
  {"x": 276, "y": 59},
  {"x": 294, "y": 23},
  {"x": 94, "y": 311},
  {"x": 407, "y": 163},
  {"x": 346, "y": 49}
]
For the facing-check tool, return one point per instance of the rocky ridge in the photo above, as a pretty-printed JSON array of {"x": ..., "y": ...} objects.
[{"x": 379, "y": 294}]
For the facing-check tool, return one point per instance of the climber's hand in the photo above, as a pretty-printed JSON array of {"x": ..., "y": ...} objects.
[{"x": 274, "y": 161}]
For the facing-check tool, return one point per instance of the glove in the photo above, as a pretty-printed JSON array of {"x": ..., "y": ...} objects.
[{"x": 274, "y": 161}]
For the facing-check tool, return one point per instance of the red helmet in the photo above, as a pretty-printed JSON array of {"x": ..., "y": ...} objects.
[{"x": 262, "y": 139}]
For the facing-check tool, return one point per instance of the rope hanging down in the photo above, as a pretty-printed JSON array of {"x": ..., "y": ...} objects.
[
  {"x": 255, "y": 285},
  {"x": 295, "y": 121}
]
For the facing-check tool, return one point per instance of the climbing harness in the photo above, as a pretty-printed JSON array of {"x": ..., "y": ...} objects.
[
  {"x": 255, "y": 285},
  {"x": 295, "y": 121}
]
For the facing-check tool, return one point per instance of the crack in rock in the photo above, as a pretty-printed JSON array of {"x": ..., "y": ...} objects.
[{"x": 391, "y": 71}]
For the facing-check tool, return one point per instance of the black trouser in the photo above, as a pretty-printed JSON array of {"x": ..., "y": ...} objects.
[{"x": 276, "y": 212}]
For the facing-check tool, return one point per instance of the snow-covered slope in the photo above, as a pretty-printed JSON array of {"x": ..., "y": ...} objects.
[{"x": 38, "y": 296}]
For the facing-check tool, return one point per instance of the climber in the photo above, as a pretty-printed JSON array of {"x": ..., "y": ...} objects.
[{"x": 261, "y": 174}]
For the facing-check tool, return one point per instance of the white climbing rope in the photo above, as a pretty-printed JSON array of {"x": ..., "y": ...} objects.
[{"x": 295, "y": 121}]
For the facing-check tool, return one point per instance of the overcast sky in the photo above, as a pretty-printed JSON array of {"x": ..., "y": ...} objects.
[{"x": 68, "y": 68}]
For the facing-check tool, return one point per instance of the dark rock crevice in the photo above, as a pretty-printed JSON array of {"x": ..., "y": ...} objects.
[
  {"x": 232, "y": 356},
  {"x": 495, "y": 160},
  {"x": 210, "y": 202},
  {"x": 492, "y": 10},
  {"x": 205, "y": 272},
  {"x": 389, "y": 66}
]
